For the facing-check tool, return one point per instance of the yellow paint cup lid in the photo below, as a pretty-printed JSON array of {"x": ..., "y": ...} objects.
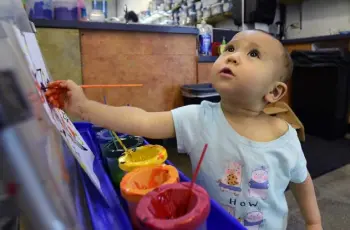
[
  {"x": 141, "y": 181},
  {"x": 146, "y": 155}
]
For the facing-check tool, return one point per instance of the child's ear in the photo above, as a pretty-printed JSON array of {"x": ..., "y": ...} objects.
[{"x": 278, "y": 91}]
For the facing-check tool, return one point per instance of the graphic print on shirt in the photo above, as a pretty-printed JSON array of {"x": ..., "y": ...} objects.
[
  {"x": 232, "y": 179},
  {"x": 253, "y": 220},
  {"x": 230, "y": 209},
  {"x": 259, "y": 183}
]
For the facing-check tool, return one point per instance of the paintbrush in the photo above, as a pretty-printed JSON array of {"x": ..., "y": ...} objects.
[
  {"x": 120, "y": 142},
  {"x": 100, "y": 86},
  {"x": 195, "y": 177}
]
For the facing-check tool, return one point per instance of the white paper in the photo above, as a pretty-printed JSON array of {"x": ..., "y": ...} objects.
[
  {"x": 22, "y": 43},
  {"x": 71, "y": 136}
]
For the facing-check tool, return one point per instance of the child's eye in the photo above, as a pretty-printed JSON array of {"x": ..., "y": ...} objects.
[
  {"x": 254, "y": 53},
  {"x": 230, "y": 49}
]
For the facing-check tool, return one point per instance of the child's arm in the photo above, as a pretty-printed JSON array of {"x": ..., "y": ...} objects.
[
  {"x": 130, "y": 120},
  {"x": 304, "y": 194}
]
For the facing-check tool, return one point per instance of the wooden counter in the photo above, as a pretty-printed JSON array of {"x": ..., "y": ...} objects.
[
  {"x": 162, "y": 62},
  {"x": 61, "y": 50},
  {"x": 162, "y": 58}
]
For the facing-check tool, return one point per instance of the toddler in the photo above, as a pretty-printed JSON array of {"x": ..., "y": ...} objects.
[{"x": 251, "y": 157}]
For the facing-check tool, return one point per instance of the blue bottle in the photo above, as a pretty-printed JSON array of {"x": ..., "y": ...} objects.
[
  {"x": 41, "y": 9},
  {"x": 205, "y": 38},
  {"x": 100, "y": 5}
]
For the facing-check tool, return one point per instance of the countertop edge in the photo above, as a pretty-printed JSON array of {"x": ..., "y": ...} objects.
[
  {"x": 207, "y": 59},
  {"x": 218, "y": 33},
  {"x": 316, "y": 39},
  {"x": 62, "y": 24}
]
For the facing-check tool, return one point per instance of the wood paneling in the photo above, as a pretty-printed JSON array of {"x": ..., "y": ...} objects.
[
  {"x": 162, "y": 62},
  {"x": 204, "y": 70},
  {"x": 290, "y": 48},
  {"x": 61, "y": 51}
]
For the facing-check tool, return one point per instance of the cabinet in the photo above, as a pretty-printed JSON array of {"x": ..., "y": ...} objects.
[{"x": 290, "y": 48}]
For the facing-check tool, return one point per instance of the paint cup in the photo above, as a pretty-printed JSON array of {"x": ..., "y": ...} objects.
[
  {"x": 147, "y": 155},
  {"x": 110, "y": 157},
  {"x": 105, "y": 136},
  {"x": 111, "y": 151},
  {"x": 141, "y": 181},
  {"x": 169, "y": 207}
]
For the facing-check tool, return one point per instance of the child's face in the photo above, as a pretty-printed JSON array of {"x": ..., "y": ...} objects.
[{"x": 249, "y": 68}]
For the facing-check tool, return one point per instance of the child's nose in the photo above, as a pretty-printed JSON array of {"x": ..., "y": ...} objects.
[{"x": 233, "y": 59}]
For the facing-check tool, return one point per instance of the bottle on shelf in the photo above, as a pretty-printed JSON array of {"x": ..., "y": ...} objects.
[
  {"x": 82, "y": 13},
  {"x": 39, "y": 9},
  {"x": 65, "y": 9},
  {"x": 205, "y": 38},
  {"x": 100, "y": 5},
  {"x": 223, "y": 45}
]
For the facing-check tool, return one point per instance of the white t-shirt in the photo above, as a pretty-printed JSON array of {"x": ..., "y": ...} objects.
[{"x": 247, "y": 178}]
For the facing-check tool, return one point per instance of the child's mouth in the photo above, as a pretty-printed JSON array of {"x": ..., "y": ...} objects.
[{"x": 226, "y": 72}]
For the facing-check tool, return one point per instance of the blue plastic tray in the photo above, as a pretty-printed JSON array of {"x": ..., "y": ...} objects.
[
  {"x": 108, "y": 214},
  {"x": 113, "y": 215}
]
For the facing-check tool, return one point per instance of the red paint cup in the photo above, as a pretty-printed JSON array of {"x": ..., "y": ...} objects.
[
  {"x": 169, "y": 208},
  {"x": 141, "y": 181}
]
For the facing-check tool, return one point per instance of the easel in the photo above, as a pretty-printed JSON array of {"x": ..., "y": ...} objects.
[{"x": 32, "y": 177}]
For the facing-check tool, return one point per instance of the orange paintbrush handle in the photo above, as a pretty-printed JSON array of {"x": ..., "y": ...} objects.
[
  {"x": 56, "y": 85},
  {"x": 110, "y": 86}
]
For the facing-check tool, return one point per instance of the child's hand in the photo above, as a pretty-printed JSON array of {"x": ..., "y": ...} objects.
[
  {"x": 75, "y": 98},
  {"x": 66, "y": 95}
]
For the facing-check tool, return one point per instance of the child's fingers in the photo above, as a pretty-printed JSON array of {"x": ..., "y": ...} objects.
[
  {"x": 54, "y": 84},
  {"x": 53, "y": 91},
  {"x": 56, "y": 98},
  {"x": 69, "y": 94},
  {"x": 62, "y": 87},
  {"x": 50, "y": 99},
  {"x": 61, "y": 101},
  {"x": 58, "y": 92},
  {"x": 56, "y": 104},
  {"x": 63, "y": 84},
  {"x": 70, "y": 85},
  {"x": 50, "y": 92},
  {"x": 51, "y": 95}
]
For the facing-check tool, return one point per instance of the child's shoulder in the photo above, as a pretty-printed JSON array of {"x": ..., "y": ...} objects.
[
  {"x": 277, "y": 125},
  {"x": 274, "y": 128}
]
